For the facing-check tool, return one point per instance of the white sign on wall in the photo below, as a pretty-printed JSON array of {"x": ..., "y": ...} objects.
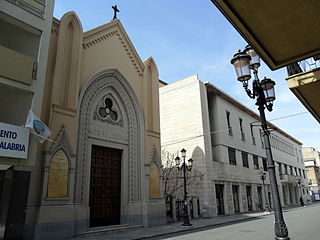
[{"x": 14, "y": 141}]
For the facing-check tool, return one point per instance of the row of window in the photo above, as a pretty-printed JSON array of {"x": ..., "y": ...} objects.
[
  {"x": 254, "y": 201},
  {"x": 276, "y": 142},
  {"x": 245, "y": 163},
  {"x": 290, "y": 170},
  {"x": 243, "y": 136}
]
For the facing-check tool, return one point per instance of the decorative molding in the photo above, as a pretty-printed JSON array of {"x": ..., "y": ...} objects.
[
  {"x": 64, "y": 110},
  {"x": 154, "y": 158},
  {"x": 68, "y": 56},
  {"x": 99, "y": 39},
  {"x": 153, "y": 134},
  {"x": 109, "y": 112},
  {"x": 114, "y": 29},
  {"x": 100, "y": 83},
  {"x": 61, "y": 141},
  {"x": 55, "y": 26},
  {"x": 32, "y": 8}
]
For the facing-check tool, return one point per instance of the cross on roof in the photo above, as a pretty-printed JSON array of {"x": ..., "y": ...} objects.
[{"x": 115, "y": 9}]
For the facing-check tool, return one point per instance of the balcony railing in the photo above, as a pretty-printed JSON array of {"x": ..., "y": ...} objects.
[
  {"x": 16, "y": 66},
  {"x": 303, "y": 66},
  {"x": 36, "y": 7},
  {"x": 288, "y": 178}
]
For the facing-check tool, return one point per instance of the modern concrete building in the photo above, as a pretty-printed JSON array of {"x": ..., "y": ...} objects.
[
  {"x": 101, "y": 104},
  {"x": 311, "y": 159},
  {"x": 224, "y": 139},
  {"x": 24, "y": 41}
]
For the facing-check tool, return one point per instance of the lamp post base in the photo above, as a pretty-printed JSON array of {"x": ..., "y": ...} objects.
[
  {"x": 301, "y": 201},
  {"x": 280, "y": 230},
  {"x": 186, "y": 224}
]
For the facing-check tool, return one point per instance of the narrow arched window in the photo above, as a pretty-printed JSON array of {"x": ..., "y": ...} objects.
[
  {"x": 154, "y": 181},
  {"x": 58, "y": 175}
]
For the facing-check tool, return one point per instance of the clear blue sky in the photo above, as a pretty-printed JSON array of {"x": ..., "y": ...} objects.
[{"x": 192, "y": 37}]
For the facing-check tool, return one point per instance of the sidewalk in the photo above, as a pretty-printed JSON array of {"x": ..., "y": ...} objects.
[{"x": 173, "y": 228}]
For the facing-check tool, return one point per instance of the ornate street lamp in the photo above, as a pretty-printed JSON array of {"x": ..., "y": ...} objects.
[
  {"x": 263, "y": 91},
  {"x": 263, "y": 177},
  {"x": 301, "y": 199},
  {"x": 185, "y": 168}
]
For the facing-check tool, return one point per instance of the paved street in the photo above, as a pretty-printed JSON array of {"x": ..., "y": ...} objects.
[
  {"x": 235, "y": 227},
  {"x": 303, "y": 223}
]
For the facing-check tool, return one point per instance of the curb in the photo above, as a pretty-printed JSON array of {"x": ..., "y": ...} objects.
[{"x": 190, "y": 229}]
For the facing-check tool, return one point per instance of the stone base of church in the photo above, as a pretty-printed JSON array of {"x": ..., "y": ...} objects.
[
  {"x": 63, "y": 222},
  {"x": 54, "y": 230}
]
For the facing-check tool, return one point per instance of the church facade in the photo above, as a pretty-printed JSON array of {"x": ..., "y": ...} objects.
[{"x": 101, "y": 103}]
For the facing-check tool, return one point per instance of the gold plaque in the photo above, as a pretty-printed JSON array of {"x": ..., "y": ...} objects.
[
  {"x": 58, "y": 175},
  {"x": 154, "y": 181}
]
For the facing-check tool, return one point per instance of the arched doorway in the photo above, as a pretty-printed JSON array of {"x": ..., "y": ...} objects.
[{"x": 109, "y": 168}]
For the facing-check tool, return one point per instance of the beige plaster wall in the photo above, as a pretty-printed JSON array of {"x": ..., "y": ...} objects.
[
  {"x": 105, "y": 47},
  {"x": 76, "y": 57}
]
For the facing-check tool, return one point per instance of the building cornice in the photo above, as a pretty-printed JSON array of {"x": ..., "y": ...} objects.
[
  {"x": 55, "y": 26},
  {"x": 211, "y": 88}
]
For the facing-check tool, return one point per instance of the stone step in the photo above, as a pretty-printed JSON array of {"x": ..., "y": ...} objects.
[{"x": 107, "y": 229}]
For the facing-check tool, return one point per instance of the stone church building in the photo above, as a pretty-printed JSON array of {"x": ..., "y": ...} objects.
[{"x": 101, "y": 102}]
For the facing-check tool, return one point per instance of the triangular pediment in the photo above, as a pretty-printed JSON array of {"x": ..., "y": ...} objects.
[
  {"x": 113, "y": 29},
  {"x": 61, "y": 142}
]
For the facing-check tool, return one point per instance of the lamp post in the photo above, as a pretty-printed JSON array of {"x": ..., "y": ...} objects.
[
  {"x": 263, "y": 91},
  {"x": 301, "y": 199},
  {"x": 263, "y": 177},
  {"x": 185, "y": 168}
]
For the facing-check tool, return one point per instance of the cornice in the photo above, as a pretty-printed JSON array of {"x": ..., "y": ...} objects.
[
  {"x": 229, "y": 99},
  {"x": 113, "y": 29},
  {"x": 55, "y": 26}
]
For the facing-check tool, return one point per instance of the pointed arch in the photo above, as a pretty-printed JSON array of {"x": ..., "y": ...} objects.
[
  {"x": 58, "y": 175},
  {"x": 154, "y": 175},
  {"x": 58, "y": 171},
  {"x": 68, "y": 61},
  {"x": 100, "y": 82},
  {"x": 154, "y": 181},
  {"x": 151, "y": 94}
]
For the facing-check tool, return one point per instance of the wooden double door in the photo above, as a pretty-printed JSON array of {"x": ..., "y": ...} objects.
[{"x": 105, "y": 186}]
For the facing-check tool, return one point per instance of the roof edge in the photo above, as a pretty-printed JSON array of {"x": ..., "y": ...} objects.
[{"x": 234, "y": 102}]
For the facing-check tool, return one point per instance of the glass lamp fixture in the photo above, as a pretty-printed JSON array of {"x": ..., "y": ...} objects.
[
  {"x": 177, "y": 160},
  {"x": 255, "y": 58},
  {"x": 268, "y": 89},
  {"x": 263, "y": 92},
  {"x": 190, "y": 161},
  {"x": 183, "y": 153},
  {"x": 241, "y": 63}
]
